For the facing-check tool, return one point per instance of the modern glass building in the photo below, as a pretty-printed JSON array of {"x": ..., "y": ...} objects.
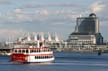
[
  {"x": 87, "y": 24},
  {"x": 86, "y": 32}
]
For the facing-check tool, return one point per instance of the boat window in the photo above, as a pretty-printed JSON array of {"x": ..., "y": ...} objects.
[
  {"x": 15, "y": 51},
  {"x": 19, "y": 51},
  {"x": 38, "y": 57},
  {"x": 41, "y": 57},
  {"x": 34, "y": 50},
  {"x": 26, "y": 51},
  {"x": 48, "y": 50},
  {"x": 31, "y": 51},
  {"x": 47, "y": 56},
  {"x": 44, "y": 56},
  {"x": 38, "y": 50},
  {"x": 35, "y": 57},
  {"x": 23, "y": 51}
]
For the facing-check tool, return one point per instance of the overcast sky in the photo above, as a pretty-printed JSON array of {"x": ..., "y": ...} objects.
[{"x": 20, "y": 16}]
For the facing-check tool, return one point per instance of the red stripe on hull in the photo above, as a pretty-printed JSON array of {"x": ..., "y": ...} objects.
[{"x": 18, "y": 57}]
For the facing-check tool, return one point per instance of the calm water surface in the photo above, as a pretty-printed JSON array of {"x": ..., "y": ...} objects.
[{"x": 63, "y": 62}]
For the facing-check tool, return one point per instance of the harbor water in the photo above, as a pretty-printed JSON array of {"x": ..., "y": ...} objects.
[{"x": 64, "y": 61}]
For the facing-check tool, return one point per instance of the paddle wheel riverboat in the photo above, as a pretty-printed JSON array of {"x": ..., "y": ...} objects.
[{"x": 32, "y": 54}]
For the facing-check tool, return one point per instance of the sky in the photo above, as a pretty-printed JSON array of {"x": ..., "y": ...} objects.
[{"x": 21, "y": 16}]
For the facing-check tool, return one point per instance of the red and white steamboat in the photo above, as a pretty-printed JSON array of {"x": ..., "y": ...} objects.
[{"x": 27, "y": 53}]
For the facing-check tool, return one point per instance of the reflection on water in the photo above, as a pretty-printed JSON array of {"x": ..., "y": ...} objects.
[{"x": 63, "y": 61}]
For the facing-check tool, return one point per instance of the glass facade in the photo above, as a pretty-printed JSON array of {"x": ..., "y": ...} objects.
[{"x": 87, "y": 24}]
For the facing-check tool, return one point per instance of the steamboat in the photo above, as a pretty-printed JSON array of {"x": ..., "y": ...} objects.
[{"x": 35, "y": 53}]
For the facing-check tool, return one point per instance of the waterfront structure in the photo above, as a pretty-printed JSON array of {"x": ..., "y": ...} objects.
[
  {"x": 80, "y": 41},
  {"x": 87, "y": 27},
  {"x": 82, "y": 38},
  {"x": 86, "y": 34},
  {"x": 51, "y": 40}
]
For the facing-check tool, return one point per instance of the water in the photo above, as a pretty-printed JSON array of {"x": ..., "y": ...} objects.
[{"x": 63, "y": 62}]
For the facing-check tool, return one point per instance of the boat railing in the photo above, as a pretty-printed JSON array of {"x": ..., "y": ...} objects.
[{"x": 21, "y": 46}]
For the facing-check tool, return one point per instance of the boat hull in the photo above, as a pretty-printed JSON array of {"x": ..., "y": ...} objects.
[
  {"x": 23, "y": 58},
  {"x": 40, "y": 61}
]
